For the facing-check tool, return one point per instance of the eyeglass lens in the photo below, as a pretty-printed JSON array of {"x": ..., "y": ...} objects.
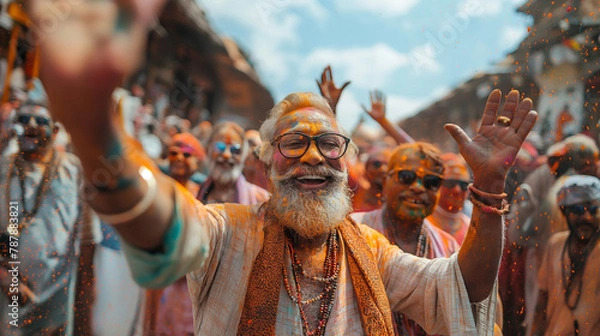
[
  {"x": 330, "y": 145},
  {"x": 235, "y": 149},
  {"x": 579, "y": 209},
  {"x": 25, "y": 118}
]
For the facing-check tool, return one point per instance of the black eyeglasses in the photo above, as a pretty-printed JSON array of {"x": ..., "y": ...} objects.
[
  {"x": 175, "y": 154},
  {"x": 408, "y": 177},
  {"x": 40, "y": 120},
  {"x": 234, "y": 149},
  {"x": 453, "y": 183},
  {"x": 579, "y": 209},
  {"x": 294, "y": 145}
]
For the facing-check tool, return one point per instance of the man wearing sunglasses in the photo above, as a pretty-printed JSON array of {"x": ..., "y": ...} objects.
[
  {"x": 568, "y": 276},
  {"x": 56, "y": 231},
  {"x": 536, "y": 216},
  {"x": 411, "y": 187},
  {"x": 448, "y": 214},
  {"x": 227, "y": 151},
  {"x": 295, "y": 264}
]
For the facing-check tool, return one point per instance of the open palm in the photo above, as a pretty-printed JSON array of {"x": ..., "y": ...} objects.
[
  {"x": 328, "y": 88},
  {"x": 377, "y": 111},
  {"x": 492, "y": 151}
]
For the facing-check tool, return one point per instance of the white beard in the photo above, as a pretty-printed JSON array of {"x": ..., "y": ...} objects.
[
  {"x": 311, "y": 213},
  {"x": 222, "y": 176}
]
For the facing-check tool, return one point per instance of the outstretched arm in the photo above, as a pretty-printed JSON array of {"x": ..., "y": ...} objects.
[
  {"x": 490, "y": 154},
  {"x": 84, "y": 58},
  {"x": 377, "y": 112}
]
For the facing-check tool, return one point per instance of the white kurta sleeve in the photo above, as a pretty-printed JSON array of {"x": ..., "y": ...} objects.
[
  {"x": 431, "y": 292},
  {"x": 194, "y": 231}
]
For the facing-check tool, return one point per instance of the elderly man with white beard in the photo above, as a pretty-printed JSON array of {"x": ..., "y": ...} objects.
[
  {"x": 227, "y": 152},
  {"x": 296, "y": 265}
]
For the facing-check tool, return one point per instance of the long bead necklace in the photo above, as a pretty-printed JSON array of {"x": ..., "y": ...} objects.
[
  {"x": 573, "y": 278},
  {"x": 422, "y": 251},
  {"x": 330, "y": 270},
  {"x": 422, "y": 240},
  {"x": 49, "y": 169}
]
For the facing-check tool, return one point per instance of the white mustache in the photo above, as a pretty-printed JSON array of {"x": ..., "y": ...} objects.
[
  {"x": 221, "y": 160},
  {"x": 322, "y": 171}
]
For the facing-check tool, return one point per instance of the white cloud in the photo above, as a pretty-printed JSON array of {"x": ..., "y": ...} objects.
[
  {"x": 387, "y": 8},
  {"x": 423, "y": 58},
  {"x": 272, "y": 26},
  {"x": 367, "y": 67},
  {"x": 511, "y": 36}
]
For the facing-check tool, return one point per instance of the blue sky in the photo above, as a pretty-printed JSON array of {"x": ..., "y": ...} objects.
[{"x": 414, "y": 51}]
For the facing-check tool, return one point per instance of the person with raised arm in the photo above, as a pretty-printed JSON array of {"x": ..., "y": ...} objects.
[{"x": 296, "y": 264}]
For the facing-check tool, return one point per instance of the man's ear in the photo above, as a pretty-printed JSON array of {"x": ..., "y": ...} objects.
[{"x": 56, "y": 128}]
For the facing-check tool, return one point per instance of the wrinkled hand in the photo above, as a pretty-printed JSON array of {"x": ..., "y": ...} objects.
[
  {"x": 328, "y": 88},
  {"x": 377, "y": 111},
  {"x": 89, "y": 50},
  {"x": 492, "y": 151}
]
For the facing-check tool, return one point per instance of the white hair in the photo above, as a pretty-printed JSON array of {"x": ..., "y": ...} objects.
[{"x": 293, "y": 102}]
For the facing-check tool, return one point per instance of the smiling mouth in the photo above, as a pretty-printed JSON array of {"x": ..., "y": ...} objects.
[
  {"x": 414, "y": 201},
  {"x": 312, "y": 181},
  {"x": 225, "y": 164}
]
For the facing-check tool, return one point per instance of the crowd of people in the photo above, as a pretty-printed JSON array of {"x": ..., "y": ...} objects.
[{"x": 139, "y": 221}]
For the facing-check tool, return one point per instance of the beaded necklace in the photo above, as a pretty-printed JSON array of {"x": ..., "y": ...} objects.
[
  {"x": 572, "y": 275},
  {"x": 49, "y": 168},
  {"x": 400, "y": 320},
  {"x": 422, "y": 240},
  {"x": 331, "y": 270}
]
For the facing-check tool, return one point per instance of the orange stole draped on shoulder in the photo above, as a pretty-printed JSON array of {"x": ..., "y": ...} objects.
[{"x": 259, "y": 315}]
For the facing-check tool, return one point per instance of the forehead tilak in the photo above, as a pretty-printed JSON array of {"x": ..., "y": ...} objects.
[{"x": 308, "y": 120}]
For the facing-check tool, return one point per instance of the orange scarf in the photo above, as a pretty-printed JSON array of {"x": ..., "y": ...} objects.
[{"x": 259, "y": 315}]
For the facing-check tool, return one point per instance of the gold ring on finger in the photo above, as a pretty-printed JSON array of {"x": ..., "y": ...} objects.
[{"x": 503, "y": 121}]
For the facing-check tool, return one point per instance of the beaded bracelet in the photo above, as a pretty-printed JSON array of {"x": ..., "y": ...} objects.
[
  {"x": 484, "y": 194},
  {"x": 140, "y": 207},
  {"x": 503, "y": 208}
]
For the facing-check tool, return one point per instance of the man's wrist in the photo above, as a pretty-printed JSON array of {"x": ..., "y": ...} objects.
[{"x": 490, "y": 185}]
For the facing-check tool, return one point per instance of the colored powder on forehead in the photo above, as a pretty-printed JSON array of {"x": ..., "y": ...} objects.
[
  {"x": 418, "y": 154},
  {"x": 308, "y": 120}
]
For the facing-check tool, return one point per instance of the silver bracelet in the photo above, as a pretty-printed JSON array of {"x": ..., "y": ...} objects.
[{"x": 140, "y": 207}]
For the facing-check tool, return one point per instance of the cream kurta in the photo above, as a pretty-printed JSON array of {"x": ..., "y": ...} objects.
[
  {"x": 217, "y": 245},
  {"x": 550, "y": 279}
]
